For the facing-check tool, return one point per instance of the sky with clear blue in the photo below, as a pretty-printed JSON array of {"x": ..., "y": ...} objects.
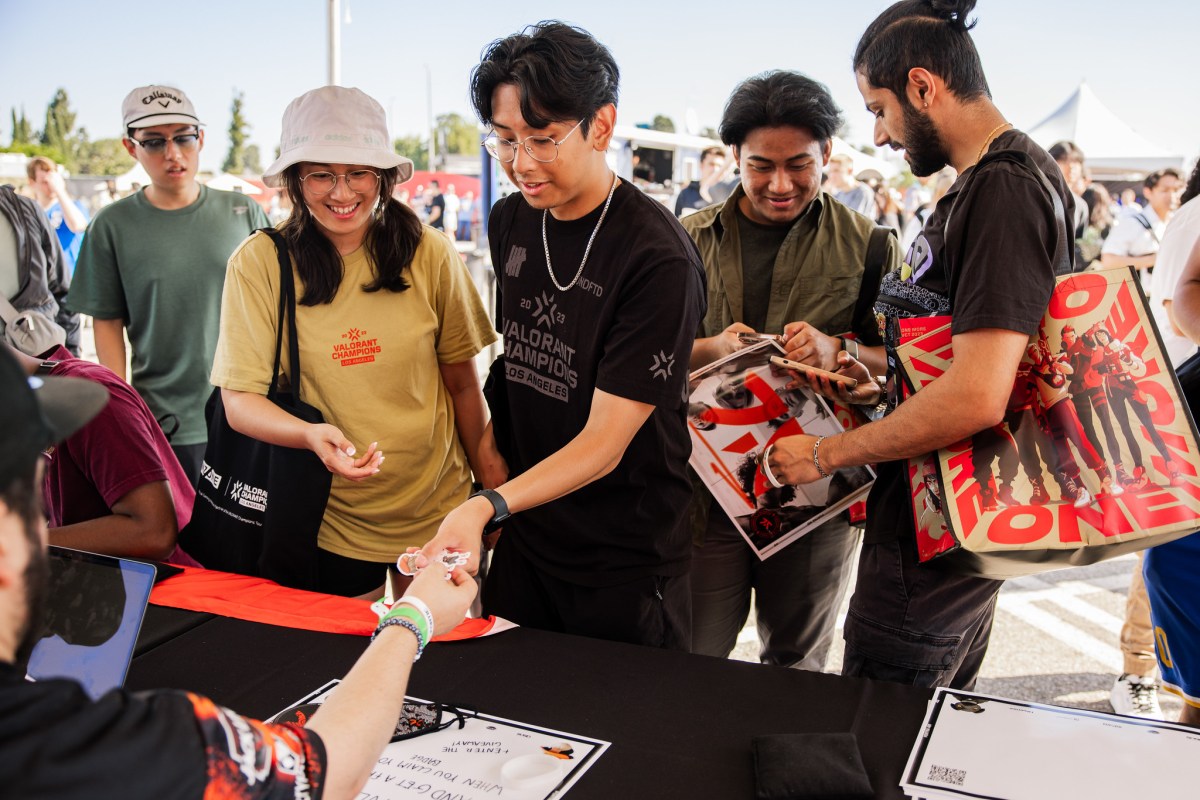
[{"x": 675, "y": 57}]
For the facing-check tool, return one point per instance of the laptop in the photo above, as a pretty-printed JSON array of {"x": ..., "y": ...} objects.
[{"x": 94, "y": 609}]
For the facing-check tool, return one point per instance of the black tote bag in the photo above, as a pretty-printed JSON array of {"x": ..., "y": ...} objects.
[{"x": 258, "y": 505}]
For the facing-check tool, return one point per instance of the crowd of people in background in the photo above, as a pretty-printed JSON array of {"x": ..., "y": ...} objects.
[{"x": 563, "y": 478}]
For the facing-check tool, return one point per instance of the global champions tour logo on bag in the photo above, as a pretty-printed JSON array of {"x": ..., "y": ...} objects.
[
  {"x": 357, "y": 349},
  {"x": 248, "y": 496}
]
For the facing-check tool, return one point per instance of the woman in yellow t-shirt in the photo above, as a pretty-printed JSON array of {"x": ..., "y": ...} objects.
[{"x": 388, "y": 324}]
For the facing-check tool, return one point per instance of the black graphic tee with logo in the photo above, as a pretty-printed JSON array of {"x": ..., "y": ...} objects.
[
  {"x": 625, "y": 328},
  {"x": 56, "y": 742}
]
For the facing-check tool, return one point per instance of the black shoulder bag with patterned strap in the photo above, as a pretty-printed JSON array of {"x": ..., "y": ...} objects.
[{"x": 259, "y": 506}]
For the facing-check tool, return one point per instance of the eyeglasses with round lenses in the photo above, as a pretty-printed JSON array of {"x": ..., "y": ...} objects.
[
  {"x": 322, "y": 183},
  {"x": 539, "y": 148},
  {"x": 157, "y": 146}
]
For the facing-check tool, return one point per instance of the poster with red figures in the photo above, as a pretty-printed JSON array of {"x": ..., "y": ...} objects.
[
  {"x": 739, "y": 405},
  {"x": 928, "y": 341},
  {"x": 1096, "y": 450}
]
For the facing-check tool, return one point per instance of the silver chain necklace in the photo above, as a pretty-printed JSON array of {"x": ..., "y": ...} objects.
[{"x": 587, "y": 250}]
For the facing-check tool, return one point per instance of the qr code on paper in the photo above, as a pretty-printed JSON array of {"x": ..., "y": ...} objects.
[{"x": 947, "y": 775}]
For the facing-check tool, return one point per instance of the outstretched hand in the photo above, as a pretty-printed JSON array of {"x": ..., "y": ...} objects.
[
  {"x": 448, "y": 600},
  {"x": 338, "y": 454},
  {"x": 462, "y": 531}
]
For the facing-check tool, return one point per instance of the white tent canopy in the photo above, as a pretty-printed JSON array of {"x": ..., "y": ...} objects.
[
  {"x": 232, "y": 183},
  {"x": 136, "y": 175},
  {"x": 1112, "y": 148}
]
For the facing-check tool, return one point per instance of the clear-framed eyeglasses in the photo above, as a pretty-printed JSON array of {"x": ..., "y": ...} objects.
[
  {"x": 539, "y": 148},
  {"x": 322, "y": 183}
]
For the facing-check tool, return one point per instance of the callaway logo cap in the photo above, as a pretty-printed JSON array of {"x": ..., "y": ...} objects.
[{"x": 157, "y": 105}]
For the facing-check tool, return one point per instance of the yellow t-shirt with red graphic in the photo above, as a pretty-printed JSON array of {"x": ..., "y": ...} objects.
[{"x": 369, "y": 362}]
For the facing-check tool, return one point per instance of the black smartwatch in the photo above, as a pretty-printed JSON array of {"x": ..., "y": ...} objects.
[{"x": 499, "y": 508}]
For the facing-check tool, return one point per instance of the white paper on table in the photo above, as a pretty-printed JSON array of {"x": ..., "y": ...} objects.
[
  {"x": 981, "y": 746},
  {"x": 488, "y": 757}
]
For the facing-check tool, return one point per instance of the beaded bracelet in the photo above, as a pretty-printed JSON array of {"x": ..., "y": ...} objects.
[
  {"x": 419, "y": 605},
  {"x": 816, "y": 458},
  {"x": 403, "y": 622},
  {"x": 417, "y": 619}
]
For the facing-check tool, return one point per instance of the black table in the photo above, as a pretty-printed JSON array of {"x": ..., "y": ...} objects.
[{"x": 680, "y": 725}]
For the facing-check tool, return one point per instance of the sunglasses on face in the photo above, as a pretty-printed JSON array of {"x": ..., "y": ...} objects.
[{"x": 158, "y": 146}]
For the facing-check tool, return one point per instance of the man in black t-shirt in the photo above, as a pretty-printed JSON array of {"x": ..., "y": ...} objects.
[
  {"x": 56, "y": 742},
  {"x": 435, "y": 212},
  {"x": 994, "y": 267},
  {"x": 600, "y": 295}
]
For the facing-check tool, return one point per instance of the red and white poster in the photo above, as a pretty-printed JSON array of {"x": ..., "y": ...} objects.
[
  {"x": 1096, "y": 449},
  {"x": 741, "y": 404}
]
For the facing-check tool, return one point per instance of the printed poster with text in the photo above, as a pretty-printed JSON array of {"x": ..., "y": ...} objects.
[
  {"x": 1096, "y": 449},
  {"x": 738, "y": 406},
  {"x": 468, "y": 755}
]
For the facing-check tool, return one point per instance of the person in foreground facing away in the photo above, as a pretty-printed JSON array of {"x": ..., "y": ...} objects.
[
  {"x": 388, "y": 322},
  {"x": 1171, "y": 569},
  {"x": 56, "y": 742},
  {"x": 600, "y": 295},
  {"x": 993, "y": 269}
]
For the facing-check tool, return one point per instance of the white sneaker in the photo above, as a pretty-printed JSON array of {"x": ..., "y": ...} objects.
[{"x": 1136, "y": 696}]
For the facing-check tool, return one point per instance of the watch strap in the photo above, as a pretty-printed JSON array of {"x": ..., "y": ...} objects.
[{"x": 499, "y": 508}]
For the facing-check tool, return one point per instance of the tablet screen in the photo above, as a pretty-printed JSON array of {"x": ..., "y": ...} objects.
[{"x": 94, "y": 611}]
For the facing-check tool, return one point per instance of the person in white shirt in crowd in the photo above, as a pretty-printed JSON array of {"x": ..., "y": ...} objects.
[
  {"x": 1177, "y": 242},
  {"x": 1135, "y": 239}
]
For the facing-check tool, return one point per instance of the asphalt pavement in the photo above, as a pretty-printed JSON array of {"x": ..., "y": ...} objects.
[{"x": 1055, "y": 638}]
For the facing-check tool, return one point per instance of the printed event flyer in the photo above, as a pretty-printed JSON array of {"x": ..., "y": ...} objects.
[
  {"x": 738, "y": 406},
  {"x": 1096, "y": 448},
  {"x": 471, "y": 756}
]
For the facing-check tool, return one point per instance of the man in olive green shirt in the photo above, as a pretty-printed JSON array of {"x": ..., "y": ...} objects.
[
  {"x": 154, "y": 264},
  {"x": 781, "y": 257}
]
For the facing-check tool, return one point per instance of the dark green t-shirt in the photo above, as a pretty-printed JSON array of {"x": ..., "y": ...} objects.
[
  {"x": 163, "y": 272},
  {"x": 760, "y": 245}
]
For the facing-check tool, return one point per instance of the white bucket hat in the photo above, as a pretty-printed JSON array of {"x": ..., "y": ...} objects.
[{"x": 335, "y": 125}]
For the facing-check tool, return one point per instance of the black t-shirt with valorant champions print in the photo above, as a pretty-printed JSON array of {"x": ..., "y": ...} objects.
[
  {"x": 625, "y": 328},
  {"x": 56, "y": 742}
]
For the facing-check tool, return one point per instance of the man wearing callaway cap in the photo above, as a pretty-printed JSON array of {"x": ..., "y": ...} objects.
[
  {"x": 153, "y": 264},
  {"x": 59, "y": 743}
]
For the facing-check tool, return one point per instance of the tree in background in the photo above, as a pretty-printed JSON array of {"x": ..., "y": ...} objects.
[
  {"x": 457, "y": 135},
  {"x": 22, "y": 131},
  {"x": 102, "y": 157},
  {"x": 58, "y": 132},
  {"x": 253, "y": 160},
  {"x": 413, "y": 147},
  {"x": 663, "y": 123},
  {"x": 239, "y": 128}
]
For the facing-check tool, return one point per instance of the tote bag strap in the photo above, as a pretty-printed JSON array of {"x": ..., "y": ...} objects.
[{"x": 287, "y": 315}]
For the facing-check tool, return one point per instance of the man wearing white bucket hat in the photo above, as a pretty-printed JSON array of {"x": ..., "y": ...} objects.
[
  {"x": 388, "y": 325},
  {"x": 153, "y": 264}
]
